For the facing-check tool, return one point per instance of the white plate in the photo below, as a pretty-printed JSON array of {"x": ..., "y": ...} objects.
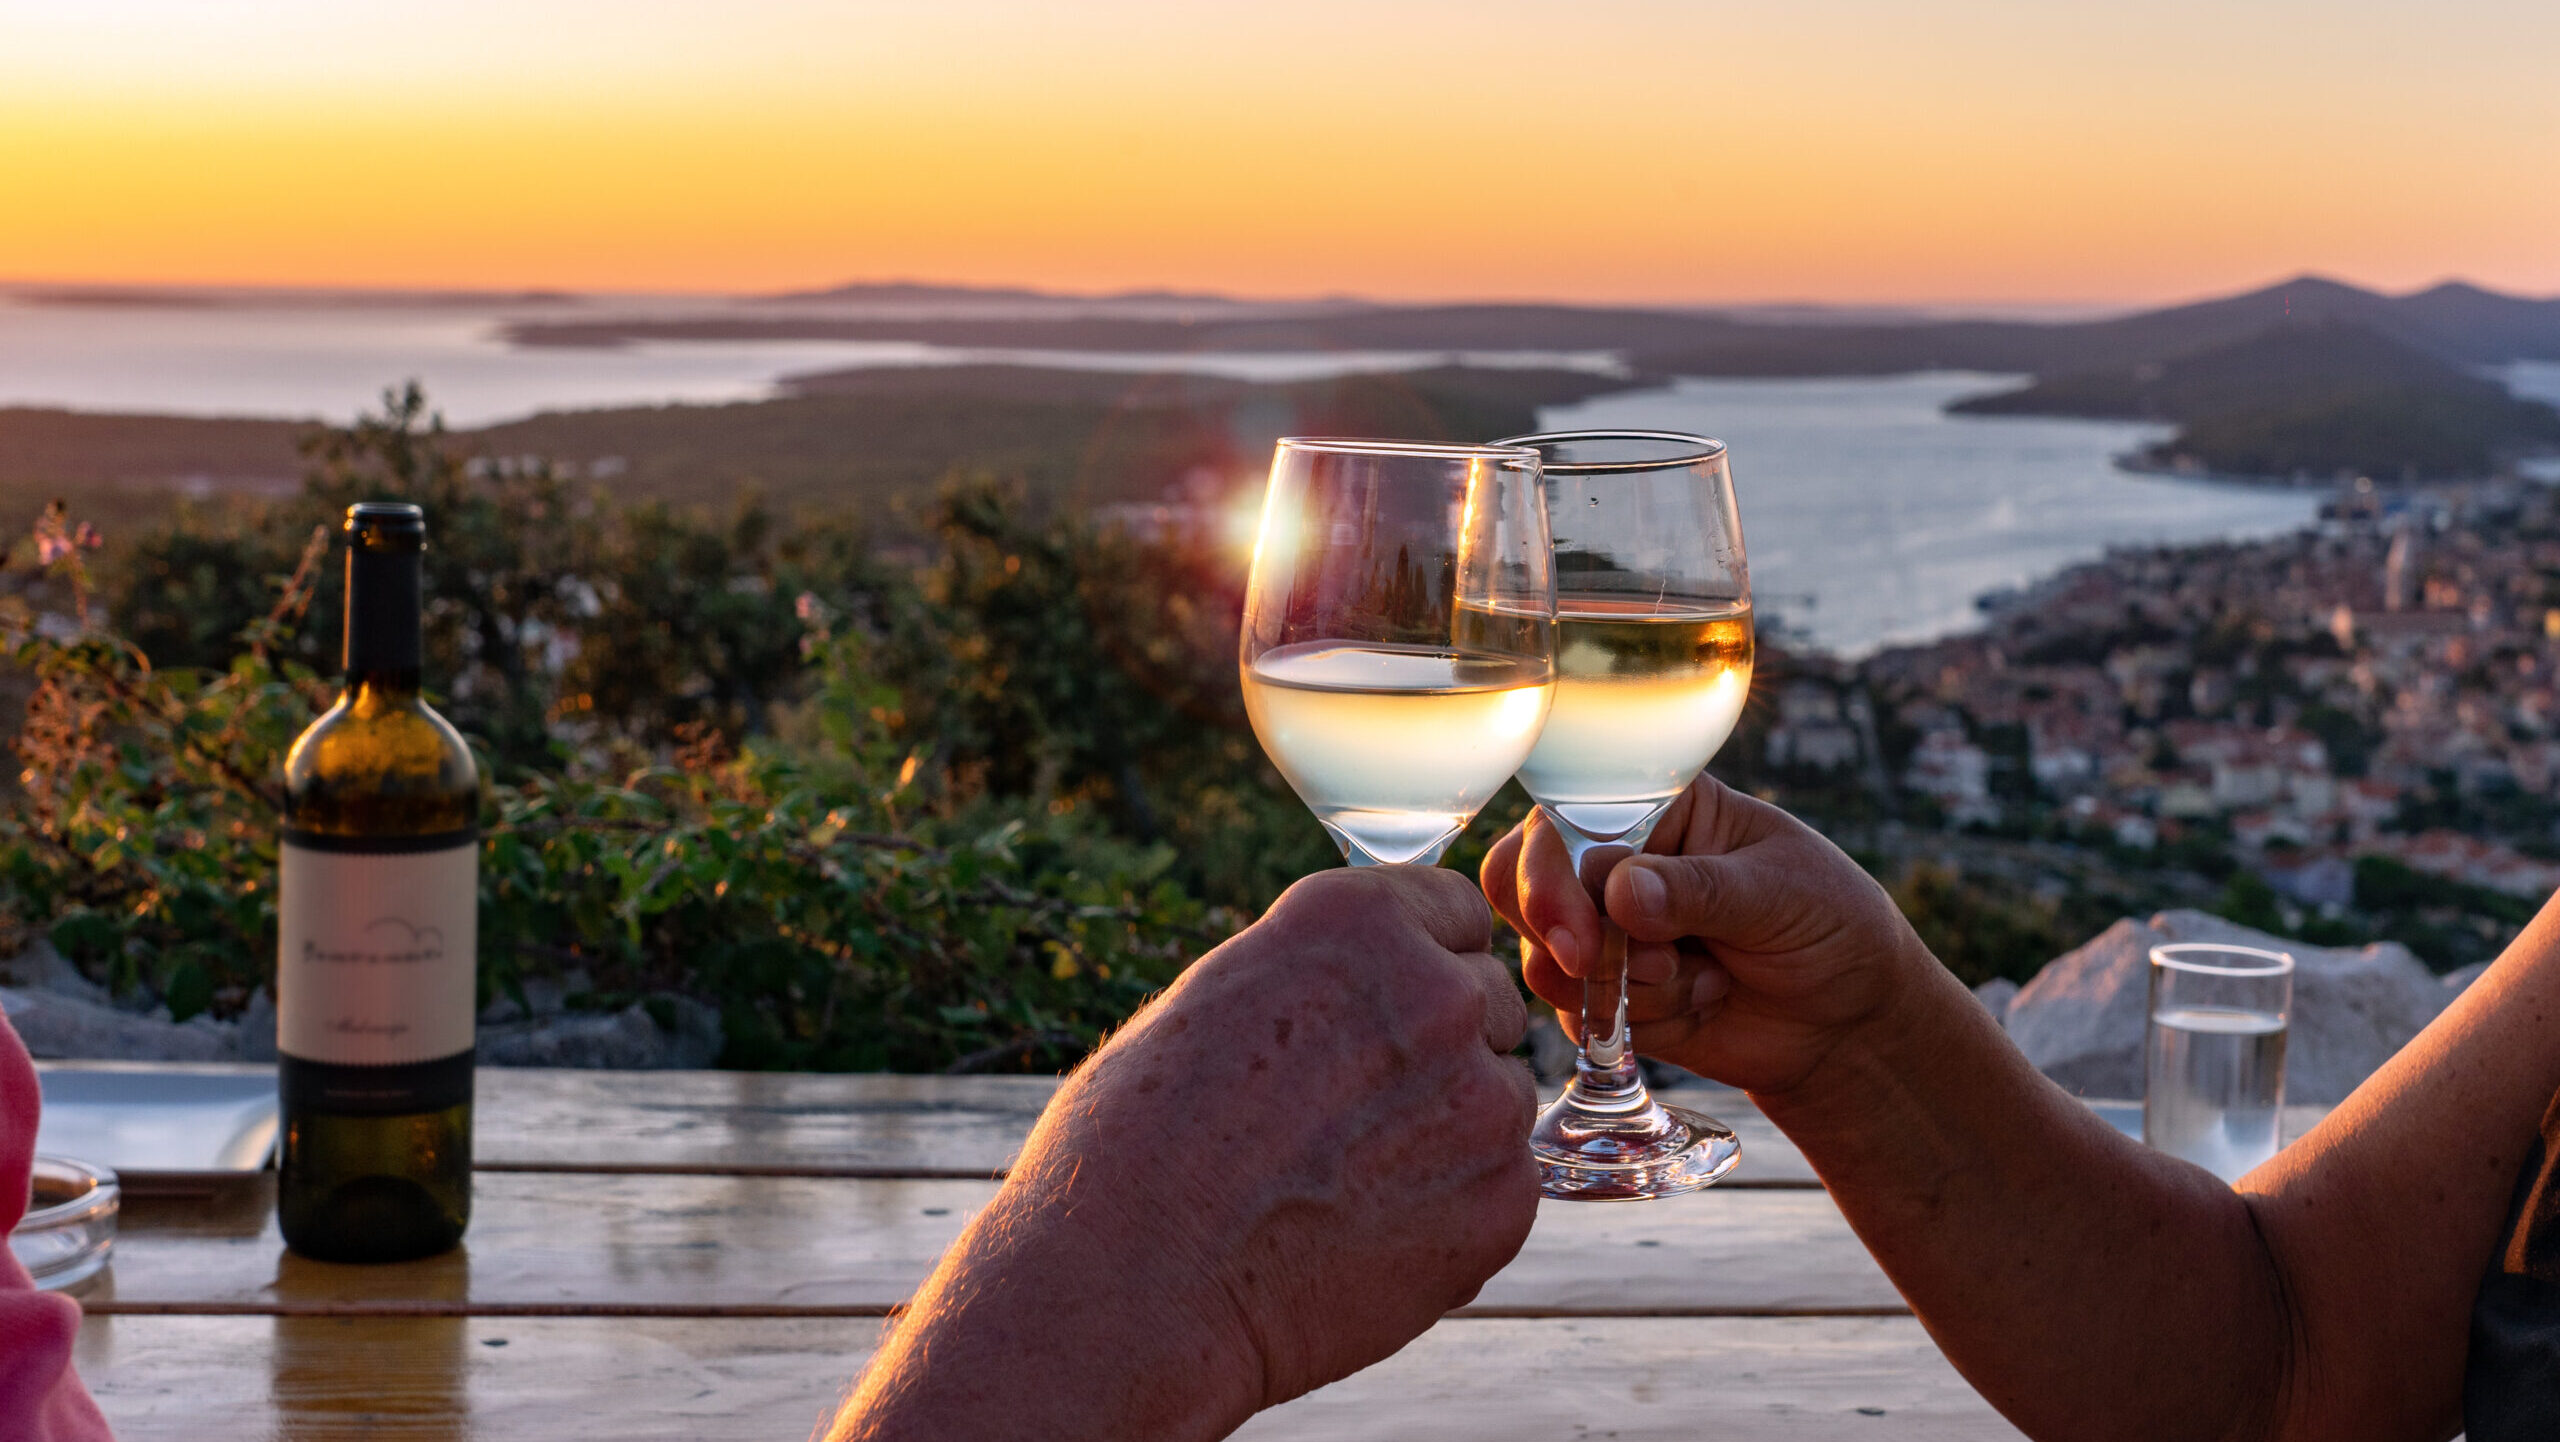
[{"x": 157, "y": 1122}]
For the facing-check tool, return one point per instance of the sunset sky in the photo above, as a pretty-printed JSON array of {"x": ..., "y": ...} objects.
[{"x": 1653, "y": 150}]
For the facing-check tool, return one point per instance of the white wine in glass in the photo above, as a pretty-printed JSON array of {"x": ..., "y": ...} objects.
[
  {"x": 1394, "y": 748},
  {"x": 1398, "y": 648},
  {"x": 1645, "y": 694},
  {"x": 1653, "y": 661}
]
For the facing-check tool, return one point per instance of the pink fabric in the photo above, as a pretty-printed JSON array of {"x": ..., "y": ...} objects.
[{"x": 41, "y": 1399}]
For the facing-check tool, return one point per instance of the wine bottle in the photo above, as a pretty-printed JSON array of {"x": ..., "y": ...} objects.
[{"x": 377, "y": 921}]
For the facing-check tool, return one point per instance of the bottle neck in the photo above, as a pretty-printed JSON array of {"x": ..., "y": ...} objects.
[{"x": 384, "y": 625}]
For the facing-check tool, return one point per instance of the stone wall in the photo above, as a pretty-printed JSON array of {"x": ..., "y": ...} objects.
[{"x": 61, "y": 1014}]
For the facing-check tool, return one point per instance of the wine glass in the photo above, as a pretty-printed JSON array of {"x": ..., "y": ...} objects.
[
  {"x": 1653, "y": 660},
  {"x": 1399, "y": 635}
]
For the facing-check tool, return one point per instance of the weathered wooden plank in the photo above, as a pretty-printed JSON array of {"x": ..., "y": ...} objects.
[
  {"x": 1674, "y": 1379},
  {"x": 774, "y": 1123},
  {"x": 322, "y": 1379},
  {"x": 548, "y": 1242},
  {"x": 868, "y": 1124},
  {"x": 1775, "y": 1251},
  {"x": 887, "y": 1125},
  {"x": 860, "y": 1124}
]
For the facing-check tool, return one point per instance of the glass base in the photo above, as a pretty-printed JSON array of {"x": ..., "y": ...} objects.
[{"x": 1651, "y": 1150}]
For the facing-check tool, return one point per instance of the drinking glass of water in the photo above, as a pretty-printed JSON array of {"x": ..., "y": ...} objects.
[{"x": 2213, "y": 1055}]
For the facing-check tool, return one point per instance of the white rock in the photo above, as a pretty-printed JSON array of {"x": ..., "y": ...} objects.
[
  {"x": 61, "y": 1014},
  {"x": 545, "y": 996},
  {"x": 55, "y": 1025},
  {"x": 41, "y": 968},
  {"x": 258, "y": 1028},
  {"x": 627, "y": 1040},
  {"x": 1997, "y": 994},
  {"x": 2081, "y": 1019}
]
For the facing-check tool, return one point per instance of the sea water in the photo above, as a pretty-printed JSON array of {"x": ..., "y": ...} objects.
[
  {"x": 2213, "y": 1080},
  {"x": 1874, "y": 517}
]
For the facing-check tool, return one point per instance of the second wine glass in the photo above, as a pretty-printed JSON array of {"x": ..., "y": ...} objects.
[{"x": 1653, "y": 661}]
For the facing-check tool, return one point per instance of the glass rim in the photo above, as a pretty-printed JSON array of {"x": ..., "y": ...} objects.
[
  {"x": 1694, "y": 448},
  {"x": 1439, "y": 450},
  {"x": 2175, "y": 956},
  {"x": 103, "y": 1193}
]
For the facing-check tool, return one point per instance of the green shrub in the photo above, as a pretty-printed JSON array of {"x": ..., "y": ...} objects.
[
  {"x": 142, "y": 832},
  {"x": 554, "y": 618},
  {"x": 793, "y": 887},
  {"x": 882, "y": 818}
]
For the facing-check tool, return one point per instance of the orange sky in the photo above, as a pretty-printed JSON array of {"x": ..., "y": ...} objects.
[{"x": 1611, "y": 149}]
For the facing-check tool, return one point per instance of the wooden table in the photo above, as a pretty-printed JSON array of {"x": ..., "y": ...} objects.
[{"x": 708, "y": 1255}]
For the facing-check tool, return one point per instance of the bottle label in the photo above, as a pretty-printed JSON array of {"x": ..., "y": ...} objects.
[{"x": 379, "y": 945}]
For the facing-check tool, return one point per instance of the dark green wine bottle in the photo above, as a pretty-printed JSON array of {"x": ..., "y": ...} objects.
[{"x": 377, "y": 918}]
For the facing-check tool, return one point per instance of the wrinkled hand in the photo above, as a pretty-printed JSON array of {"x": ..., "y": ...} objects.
[
  {"x": 1754, "y": 944},
  {"x": 1291, "y": 1164},
  {"x": 1341, "y": 1075}
]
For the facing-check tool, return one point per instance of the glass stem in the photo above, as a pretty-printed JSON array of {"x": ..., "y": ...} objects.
[{"x": 1606, "y": 1066}]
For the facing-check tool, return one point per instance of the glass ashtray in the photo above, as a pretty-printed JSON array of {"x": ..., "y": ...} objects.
[{"x": 70, "y": 1223}]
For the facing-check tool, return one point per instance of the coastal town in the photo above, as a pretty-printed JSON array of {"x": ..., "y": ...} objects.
[{"x": 2365, "y": 704}]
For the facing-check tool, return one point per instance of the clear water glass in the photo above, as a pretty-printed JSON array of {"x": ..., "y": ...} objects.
[
  {"x": 2213, "y": 1054},
  {"x": 1398, "y": 650},
  {"x": 70, "y": 1223}
]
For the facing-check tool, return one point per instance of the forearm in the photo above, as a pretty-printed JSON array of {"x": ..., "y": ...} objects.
[
  {"x": 1231, "y": 1204},
  {"x": 1045, "y": 1322},
  {"x": 2090, "y": 1288},
  {"x": 1066, "y": 1310},
  {"x": 2386, "y": 1216}
]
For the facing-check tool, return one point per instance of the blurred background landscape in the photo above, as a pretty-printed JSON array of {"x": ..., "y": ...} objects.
[{"x": 842, "y": 435}]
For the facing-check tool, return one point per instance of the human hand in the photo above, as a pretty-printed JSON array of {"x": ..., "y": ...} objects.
[
  {"x": 1292, "y": 1163},
  {"x": 1753, "y": 943}
]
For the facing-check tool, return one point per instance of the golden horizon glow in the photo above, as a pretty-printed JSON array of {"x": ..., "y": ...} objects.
[{"x": 1634, "y": 150}]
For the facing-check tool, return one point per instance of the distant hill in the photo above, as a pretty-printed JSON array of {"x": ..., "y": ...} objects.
[
  {"x": 1424, "y": 328},
  {"x": 2469, "y": 323},
  {"x": 910, "y": 292},
  {"x": 2457, "y": 322},
  {"x": 2284, "y": 364},
  {"x": 81, "y": 451},
  {"x": 905, "y": 291},
  {"x": 2309, "y": 375},
  {"x": 868, "y": 440},
  {"x": 873, "y": 438},
  {"x": 1453, "y": 395},
  {"x": 2309, "y": 397}
]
